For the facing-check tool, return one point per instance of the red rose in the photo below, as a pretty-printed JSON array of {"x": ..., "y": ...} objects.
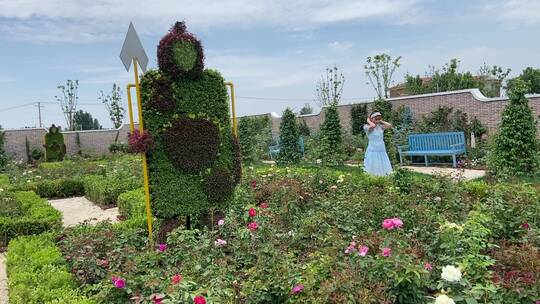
[
  {"x": 199, "y": 300},
  {"x": 253, "y": 226},
  {"x": 264, "y": 205},
  {"x": 176, "y": 279},
  {"x": 525, "y": 226},
  {"x": 253, "y": 183},
  {"x": 252, "y": 212}
]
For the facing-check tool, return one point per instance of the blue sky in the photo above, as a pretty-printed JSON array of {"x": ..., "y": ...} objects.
[{"x": 268, "y": 48}]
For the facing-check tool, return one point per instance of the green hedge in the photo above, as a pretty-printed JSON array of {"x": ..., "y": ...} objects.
[
  {"x": 30, "y": 214},
  {"x": 132, "y": 204},
  {"x": 38, "y": 273},
  {"x": 104, "y": 191},
  {"x": 60, "y": 188}
]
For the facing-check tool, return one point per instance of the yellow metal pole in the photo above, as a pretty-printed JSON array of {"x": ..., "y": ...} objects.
[
  {"x": 130, "y": 108},
  {"x": 145, "y": 166},
  {"x": 233, "y": 108}
]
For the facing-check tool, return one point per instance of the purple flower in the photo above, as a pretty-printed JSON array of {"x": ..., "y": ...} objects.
[
  {"x": 162, "y": 247},
  {"x": 297, "y": 289}
]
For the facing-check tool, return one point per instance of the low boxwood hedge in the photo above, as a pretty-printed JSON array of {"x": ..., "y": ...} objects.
[
  {"x": 104, "y": 190},
  {"x": 38, "y": 273},
  {"x": 27, "y": 214},
  {"x": 60, "y": 188},
  {"x": 132, "y": 204}
]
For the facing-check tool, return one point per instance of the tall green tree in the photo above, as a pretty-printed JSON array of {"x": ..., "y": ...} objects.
[
  {"x": 289, "y": 135},
  {"x": 516, "y": 147},
  {"x": 68, "y": 100},
  {"x": 380, "y": 69},
  {"x": 255, "y": 135},
  {"x": 114, "y": 105},
  {"x": 84, "y": 121},
  {"x": 532, "y": 77},
  {"x": 306, "y": 109},
  {"x": 331, "y": 151},
  {"x": 330, "y": 87}
]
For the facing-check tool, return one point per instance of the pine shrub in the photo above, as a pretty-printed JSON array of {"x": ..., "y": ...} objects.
[
  {"x": 515, "y": 147},
  {"x": 331, "y": 152},
  {"x": 289, "y": 131}
]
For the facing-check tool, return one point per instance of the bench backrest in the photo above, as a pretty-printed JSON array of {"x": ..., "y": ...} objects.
[{"x": 436, "y": 141}]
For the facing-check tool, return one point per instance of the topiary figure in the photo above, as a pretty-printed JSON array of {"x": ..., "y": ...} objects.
[
  {"x": 195, "y": 162},
  {"x": 55, "y": 149}
]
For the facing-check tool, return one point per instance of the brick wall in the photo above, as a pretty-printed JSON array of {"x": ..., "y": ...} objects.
[
  {"x": 470, "y": 101},
  {"x": 94, "y": 141}
]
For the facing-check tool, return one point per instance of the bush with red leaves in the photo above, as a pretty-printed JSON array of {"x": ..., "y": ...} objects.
[{"x": 140, "y": 143}]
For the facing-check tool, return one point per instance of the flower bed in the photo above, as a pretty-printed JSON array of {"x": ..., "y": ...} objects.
[
  {"x": 305, "y": 235},
  {"x": 25, "y": 213},
  {"x": 37, "y": 273}
]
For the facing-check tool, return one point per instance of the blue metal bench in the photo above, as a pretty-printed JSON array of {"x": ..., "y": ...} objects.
[
  {"x": 273, "y": 151},
  {"x": 436, "y": 144}
]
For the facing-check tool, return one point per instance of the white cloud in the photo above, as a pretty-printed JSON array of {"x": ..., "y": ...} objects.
[
  {"x": 99, "y": 20},
  {"x": 337, "y": 46},
  {"x": 516, "y": 11}
]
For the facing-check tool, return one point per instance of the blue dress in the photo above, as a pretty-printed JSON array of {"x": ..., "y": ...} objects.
[{"x": 376, "y": 161}]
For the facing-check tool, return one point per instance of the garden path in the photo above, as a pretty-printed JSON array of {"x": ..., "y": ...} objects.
[
  {"x": 466, "y": 174},
  {"x": 77, "y": 210},
  {"x": 3, "y": 280}
]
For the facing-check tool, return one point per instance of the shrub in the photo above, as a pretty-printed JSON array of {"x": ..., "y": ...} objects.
[
  {"x": 359, "y": 115},
  {"x": 255, "y": 137},
  {"x": 118, "y": 148},
  {"x": 140, "y": 143},
  {"x": 289, "y": 135},
  {"x": 55, "y": 149},
  {"x": 35, "y": 216},
  {"x": 331, "y": 142},
  {"x": 132, "y": 204},
  {"x": 516, "y": 146},
  {"x": 37, "y": 273},
  {"x": 3, "y": 156},
  {"x": 104, "y": 191},
  {"x": 60, "y": 188}
]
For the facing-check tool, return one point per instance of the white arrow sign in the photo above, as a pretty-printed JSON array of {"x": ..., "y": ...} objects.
[{"x": 133, "y": 48}]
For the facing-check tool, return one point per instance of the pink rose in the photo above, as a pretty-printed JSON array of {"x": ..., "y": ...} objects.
[
  {"x": 297, "y": 289},
  {"x": 398, "y": 223},
  {"x": 162, "y": 247},
  {"x": 220, "y": 242},
  {"x": 253, "y": 226},
  {"x": 363, "y": 250},
  {"x": 221, "y": 222},
  {"x": 199, "y": 300},
  {"x": 388, "y": 224},
  {"x": 386, "y": 252},
  {"x": 176, "y": 279},
  {"x": 264, "y": 205},
  {"x": 427, "y": 266},
  {"x": 118, "y": 282}
]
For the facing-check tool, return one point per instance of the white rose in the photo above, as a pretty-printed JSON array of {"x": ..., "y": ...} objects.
[
  {"x": 444, "y": 299},
  {"x": 451, "y": 273}
]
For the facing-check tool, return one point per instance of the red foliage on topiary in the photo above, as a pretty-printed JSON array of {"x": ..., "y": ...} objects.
[
  {"x": 219, "y": 184},
  {"x": 165, "y": 53},
  {"x": 140, "y": 143},
  {"x": 162, "y": 99},
  {"x": 192, "y": 144}
]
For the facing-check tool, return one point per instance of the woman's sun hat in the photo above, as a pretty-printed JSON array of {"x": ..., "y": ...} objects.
[{"x": 375, "y": 114}]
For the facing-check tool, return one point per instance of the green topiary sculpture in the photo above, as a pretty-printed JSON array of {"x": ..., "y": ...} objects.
[
  {"x": 55, "y": 149},
  {"x": 195, "y": 163}
]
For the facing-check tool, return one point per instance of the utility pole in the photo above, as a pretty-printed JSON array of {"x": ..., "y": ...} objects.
[{"x": 39, "y": 114}]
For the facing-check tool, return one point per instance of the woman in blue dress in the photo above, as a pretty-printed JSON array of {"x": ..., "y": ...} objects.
[{"x": 376, "y": 161}]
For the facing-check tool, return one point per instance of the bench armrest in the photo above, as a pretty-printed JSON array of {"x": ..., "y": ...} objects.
[{"x": 402, "y": 148}]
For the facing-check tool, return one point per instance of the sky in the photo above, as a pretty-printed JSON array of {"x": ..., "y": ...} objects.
[{"x": 274, "y": 51}]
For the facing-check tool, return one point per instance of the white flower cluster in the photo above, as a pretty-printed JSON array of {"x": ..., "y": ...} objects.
[
  {"x": 451, "y": 273},
  {"x": 444, "y": 299}
]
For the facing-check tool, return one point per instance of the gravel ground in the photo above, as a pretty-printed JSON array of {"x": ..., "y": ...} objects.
[
  {"x": 466, "y": 174},
  {"x": 3, "y": 280}
]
